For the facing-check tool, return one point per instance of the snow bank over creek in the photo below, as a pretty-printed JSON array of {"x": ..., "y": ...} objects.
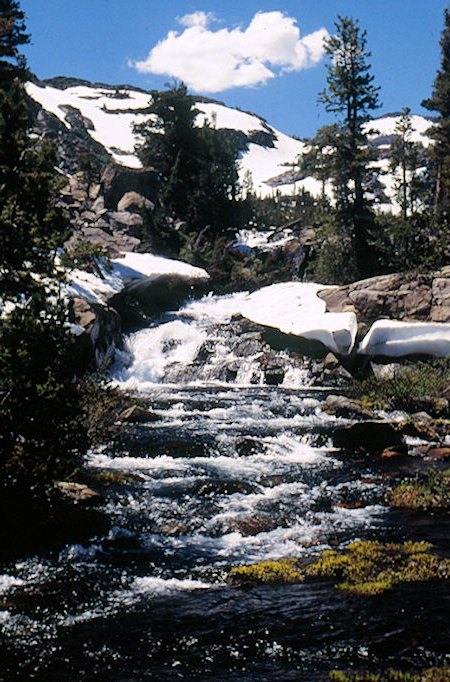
[{"x": 292, "y": 308}]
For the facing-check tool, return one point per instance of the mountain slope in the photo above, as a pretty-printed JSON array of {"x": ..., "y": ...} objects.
[{"x": 106, "y": 114}]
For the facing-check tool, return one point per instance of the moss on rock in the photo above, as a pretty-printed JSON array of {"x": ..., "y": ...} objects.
[{"x": 368, "y": 568}]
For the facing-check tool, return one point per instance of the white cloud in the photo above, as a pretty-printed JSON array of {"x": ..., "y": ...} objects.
[
  {"x": 212, "y": 61},
  {"x": 196, "y": 19}
]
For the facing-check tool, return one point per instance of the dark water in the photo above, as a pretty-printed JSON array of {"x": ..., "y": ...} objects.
[{"x": 231, "y": 473}]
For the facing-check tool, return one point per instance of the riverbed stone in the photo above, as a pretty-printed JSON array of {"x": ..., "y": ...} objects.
[
  {"x": 367, "y": 436},
  {"x": 138, "y": 415},
  {"x": 342, "y": 406},
  {"x": 79, "y": 493}
]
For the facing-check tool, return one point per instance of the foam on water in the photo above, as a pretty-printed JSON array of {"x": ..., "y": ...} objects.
[
  {"x": 9, "y": 581},
  {"x": 152, "y": 350}
]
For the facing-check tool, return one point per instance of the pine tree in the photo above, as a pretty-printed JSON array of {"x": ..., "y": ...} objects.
[
  {"x": 351, "y": 95},
  {"x": 12, "y": 35},
  {"x": 404, "y": 155},
  {"x": 41, "y": 426},
  {"x": 440, "y": 153},
  {"x": 196, "y": 165}
]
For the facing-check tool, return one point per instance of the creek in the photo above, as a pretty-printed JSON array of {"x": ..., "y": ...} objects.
[{"x": 236, "y": 467}]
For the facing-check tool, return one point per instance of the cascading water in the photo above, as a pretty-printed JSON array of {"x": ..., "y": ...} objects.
[{"x": 235, "y": 468}]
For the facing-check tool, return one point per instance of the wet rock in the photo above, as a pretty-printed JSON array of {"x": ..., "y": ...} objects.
[
  {"x": 138, "y": 415},
  {"x": 248, "y": 446},
  {"x": 231, "y": 372},
  {"x": 273, "y": 376},
  {"x": 177, "y": 448},
  {"x": 417, "y": 429},
  {"x": 226, "y": 487},
  {"x": 367, "y": 436},
  {"x": 354, "y": 504},
  {"x": 395, "y": 451},
  {"x": 173, "y": 528},
  {"x": 253, "y": 525},
  {"x": 102, "y": 330},
  {"x": 79, "y": 493},
  {"x": 345, "y": 407},
  {"x": 442, "y": 452},
  {"x": 436, "y": 407},
  {"x": 248, "y": 347}
]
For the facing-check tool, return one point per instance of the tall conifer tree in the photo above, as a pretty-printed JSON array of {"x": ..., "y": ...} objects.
[
  {"x": 40, "y": 419},
  {"x": 351, "y": 94},
  {"x": 440, "y": 153}
]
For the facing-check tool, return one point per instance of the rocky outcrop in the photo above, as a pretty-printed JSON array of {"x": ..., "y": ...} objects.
[
  {"x": 118, "y": 181},
  {"x": 406, "y": 297},
  {"x": 100, "y": 330},
  {"x": 160, "y": 291},
  {"x": 132, "y": 201}
]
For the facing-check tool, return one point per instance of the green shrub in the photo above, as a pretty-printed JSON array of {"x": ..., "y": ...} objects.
[
  {"x": 431, "y": 493},
  {"x": 401, "y": 391},
  {"x": 87, "y": 256}
]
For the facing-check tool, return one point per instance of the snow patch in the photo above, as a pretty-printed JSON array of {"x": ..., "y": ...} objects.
[
  {"x": 394, "y": 339},
  {"x": 294, "y": 308},
  {"x": 130, "y": 266}
]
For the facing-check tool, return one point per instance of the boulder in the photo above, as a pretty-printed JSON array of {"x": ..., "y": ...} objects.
[
  {"x": 132, "y": 201},
  {"x": 138, "y": 415},
  {"x": 367, "y": 436},
  {"x": 114, "y": 243},
  {"x": 123, "y": 220},
  {"x": 253, "y": 525},
  {"x": 78, "y": 187},
  {"x": 344, "y": 407},
  {"x": 159, "y": 291},
  {"x": 79, "y": 493},
  {"x": 407, "y": 297},
  {"x": 118, "y": 180},
  {"x": 101, "y": 330}
]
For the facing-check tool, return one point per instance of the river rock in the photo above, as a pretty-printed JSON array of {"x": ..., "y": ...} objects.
[
  {"x": 253, "y": 525},
  {"x": 101, "y": 327},
  {"x": 344, "y": 407},
  {"x": 442, "y": 452},
  {"x": 418, "y": 429},
  {"x": 79, "y": 493},
  {"x": 368, "y": 436},
  {"x": 408, "y": 296},
  {"x": 138, "y": 415},
  {"x": 159, "y": 292}
]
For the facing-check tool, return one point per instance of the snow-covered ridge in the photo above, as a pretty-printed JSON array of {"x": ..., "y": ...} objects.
[{"x": 110, "y": 114}]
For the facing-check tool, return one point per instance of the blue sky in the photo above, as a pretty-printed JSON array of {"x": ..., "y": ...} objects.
[{"x": 237, "y": 52}]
